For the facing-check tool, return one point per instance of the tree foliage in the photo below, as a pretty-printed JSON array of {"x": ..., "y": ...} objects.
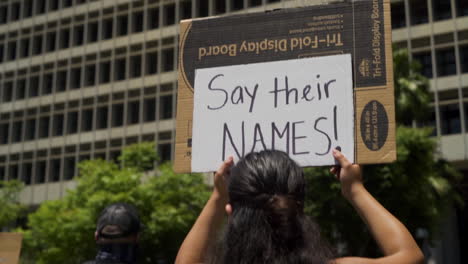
[
  {"x": 10, "y": 208},
  {"x": 62, "y": 231}
]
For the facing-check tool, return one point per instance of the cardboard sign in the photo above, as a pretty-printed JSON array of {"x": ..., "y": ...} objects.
[
  {"x": 359, "y": 28},
  {"x": 10, "y": 247},
  {"x": 303, "y": 107}
]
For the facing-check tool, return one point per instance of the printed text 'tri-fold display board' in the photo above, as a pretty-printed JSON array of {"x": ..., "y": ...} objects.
[{"x": 303, "y": 106}]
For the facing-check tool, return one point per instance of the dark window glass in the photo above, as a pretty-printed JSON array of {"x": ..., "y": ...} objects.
[
  {"x": 14, "y": 171},
  {"x": 237, "y": 5},
  {"x": 40, "y": 6},
  {"x": 462, "y": 7},
  {"x": 30, "y": 131},
  {"x": 168, "y": 60},
  {"x": 203, "y": 8},
  {"x": 152, "y": 63},
  {"x": 54, "y": 170},
  {"x": 117, "y": 115},
  {"x": 107, "y": 26},
  {"x": 69, "y": 168},
  {"x": 120, "y": 69},
  {"x": 28, "y": 8},
  {"x": 137, "y": 22},
  {"x": 33, "y": 86},
  {"x": 92, "y": 32},
  {"x": 75, "y": 81},
  {"x": 4, "y": 133},
  {"x": 419, "y": 12},
  {"x": 20, "y": 89},
  {"x": 26, "y": 173},
  {"x": 90, "y": 75},
  {"x": 17, "y": 131},
  {"x": 169, "y": 15},
  {"x": 50, "y": 41},
  {"x": 67, "y": 3},
  {"x": 450, "y": 119},
  {"x": 101, "y": 118},
  {"x": 44, "y": 126},
  {"x": 78, "y": 35},
  {"x": 64, "y": 41},
  {"x": 15, "y": 11},
  {"x": 40, "y": 172},
  {"x": 2, "y": 52},
  {"x": 72, "y": 122},
  {"x": 114, "y": 156},
  {"x": 104, "y": 72},
  {"x": 3, "y": 14},
  {"x": 165, "y": 110},
  {"x": 11, "y": 55},
  {"x": 135, "y": 66},
  {"x": 57, "y": 125},
  {"x": 445, "y": 62},
  {"x": 133, "y": 112},
  {"x": 255, "y": 2},
  {"x": 47, "y": 83},
  {"x": 37, "y": 45},
  {"x": 53, "y": 4},
  {"x": 220, "y": 6},
  {"x": 87, "y": 120},
  {"x": 149, "y": 110},
  {"x": 24, "y": 48},
  {"x": 464, "y": 58},
  {"x": 61, "y": 81},
  {"x": 7, "y": 92},
  {"x": 122, "y": 25},
  {"x": 2, "y": 174},
  {"x": 164, "y": 151},
  {"x": 153, "y": 18},
  {"x": 441, "y": 9}
]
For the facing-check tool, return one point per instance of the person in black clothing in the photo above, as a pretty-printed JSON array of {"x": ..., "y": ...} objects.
[{"x": 117, "y": 234}]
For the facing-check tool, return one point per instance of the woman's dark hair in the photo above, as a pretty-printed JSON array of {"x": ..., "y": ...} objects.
[{"x": 268, "y": 225}]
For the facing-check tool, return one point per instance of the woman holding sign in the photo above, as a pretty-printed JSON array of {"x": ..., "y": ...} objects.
[{"x": 264, "y": 199}]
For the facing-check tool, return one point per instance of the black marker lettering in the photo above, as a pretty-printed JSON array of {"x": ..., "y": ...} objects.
[
  {"x": 226, "y": 96},
  {"x": 305, "y": 93},
  {"x": 327, "y": 85},
  {"x": 275, "y": 91},
  {"x": 228, "y": 133},
  {"x": 318, "y": 88},
  {"x": 258, "y": 136},
  {"x": 275, "y": 131},
  {"x": 240, "y": 97},
  {"x": 334, "y": 123},
  {"x": 294, "y": 139},
  {"x": 252, "y": 96},
  {"x": 320, "y": 131}
]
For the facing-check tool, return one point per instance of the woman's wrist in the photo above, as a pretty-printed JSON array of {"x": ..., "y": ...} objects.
[{"x": 353, "y": 191}]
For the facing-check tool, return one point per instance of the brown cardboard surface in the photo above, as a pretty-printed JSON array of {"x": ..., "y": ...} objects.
[
  {"x": 361, "y": 28},
  {"x": 10, "y": 247}
]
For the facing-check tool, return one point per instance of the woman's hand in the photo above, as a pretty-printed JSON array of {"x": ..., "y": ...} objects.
[
  {"x": 220, "y": 183},
  {"x": 348, "y": 174}
]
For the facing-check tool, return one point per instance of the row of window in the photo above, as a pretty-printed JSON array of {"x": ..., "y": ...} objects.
[
  {"x": 56, "y": 164},
  {"x": 17, "y": 10},
  {"x": 51, "y": 79},
  {"x": 445, "y": 61},
  {"x": 419, "y": 11},
  {"x": 72, "y": 121}
]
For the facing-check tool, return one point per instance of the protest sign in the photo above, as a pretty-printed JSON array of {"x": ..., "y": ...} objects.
[
  {"x": 10, "y": 247},
  {"x": 359, "y": 28},
  {"x": 303, "y": 107}
]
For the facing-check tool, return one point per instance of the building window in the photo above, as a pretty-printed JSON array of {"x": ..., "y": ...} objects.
[
  {"x": 464, "y": 58},
  {"x": 78, "y": 35},
  {"x": 255, "y": 2},
  {"x": 28, "y": 8},
  {"x": 57, "y": 125},
  {"x": 33, "y": 86},
  {"x": 2, "y": 53},
  {"x": 203, "y": 8},
  {"x": 17, "y": 131},
  {"x": 24, "y": 48},
  {"x": 445, "y": 62},
  {"x": 61, "y": 81},
  {"x": 27, "y": 173},
  {"x": 107, "y": 28},
  {"x": 3, "y": 14},
  {"x": 14, "y": 171},
  {"x": 220, "y": 6},
  {"x": 165, "y": 110},
  {"x": 64, "y": 38},
  {"x": 450, "y": 119},
  {"x": 151, "y": 63},
  {"x": 169, "y": 15},
  {"x": 237, "y": 5},
  {"x": 4, "y": 133},
  {"x": 15, "y": 11},
  {"x": 164, "y": 151},
  {"x": 53, "y": 4},
  {"x": 441, "y": 9},
  {"x": 11, "y": 50},
  {"x": 120, "y": 69},
  {"x": 50, "y": 41},
  {"x": 117, "y": 115},
  {"x": 37, "y": 45},
  {"x": 20, "y": 89},
  {"x": 133, "y": 112},
  {"x": 104, "y": 72},
  {"x": 72, "y": 122},
  {"x": 149, "y": 109},
  {"x": 153, "y": 18},
  {"x": 44, "y": 127},
  {"x": 54, "y": 170},
  {"x": 462, "y": 7},
  {"x": 168, "y": 60},
  {"x": 418, "y": 12},
  {"x": 47, "y": 83},
  {"x": 101, "y": 118},
  {"x": 67, "y": 3},
  {"x": 137, "y": 22},
  {"x": 40, "y": 172},
  {"x": 122, "y": 25},
  {"x": 86, "y": 120},
  {"x": 69, "y": 168},
  {"x": 40, "y": 6},
  {"x": 92, "y": 32},
  {"x": 135, "y": 66},
  {"x": 7, "y": 92},
  {"x": 90, "y": 75},
  {"x": 30, "y": 131},
  {"x": 75, "y": 78}
]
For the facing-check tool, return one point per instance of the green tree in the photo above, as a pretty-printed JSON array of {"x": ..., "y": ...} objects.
[
  {"x": 62, "y": 231},
  {"x": 11, "y": 209},
  {"x": 418, "y": 188}
]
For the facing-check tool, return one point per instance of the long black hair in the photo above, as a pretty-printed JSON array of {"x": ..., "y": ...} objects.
[{"x": 268, "y": 224}]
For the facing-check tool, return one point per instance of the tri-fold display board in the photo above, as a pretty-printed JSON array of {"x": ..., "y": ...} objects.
[{"x": 302, "y": 80}]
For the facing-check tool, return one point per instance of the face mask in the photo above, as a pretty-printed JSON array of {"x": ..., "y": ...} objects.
[{"x": 123, "y": 253}]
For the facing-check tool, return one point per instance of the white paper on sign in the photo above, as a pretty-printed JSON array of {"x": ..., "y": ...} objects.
[{"x": 304, "y": 107}]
